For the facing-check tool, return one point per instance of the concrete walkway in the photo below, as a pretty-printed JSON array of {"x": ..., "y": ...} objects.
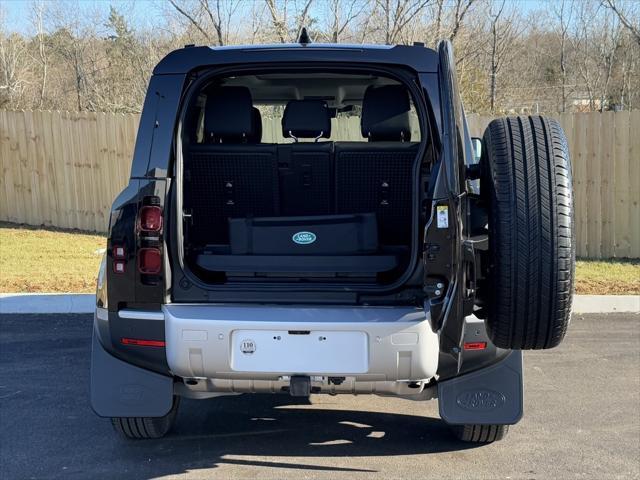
[
  {"x": 47, "y": 302},
  {"x": 606, "y": 303},
  {"x": 84, "y": 303}
]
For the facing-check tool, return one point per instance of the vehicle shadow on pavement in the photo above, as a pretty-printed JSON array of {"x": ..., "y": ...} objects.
[
  {"x": 49, "y": 431},
  {"x": 280, "y": 426}
]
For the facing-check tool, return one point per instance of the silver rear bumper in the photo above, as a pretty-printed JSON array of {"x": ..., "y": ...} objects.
[{"x": 254, "y": 348}]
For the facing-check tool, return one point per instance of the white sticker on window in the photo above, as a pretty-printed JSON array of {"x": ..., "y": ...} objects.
[{"x": 442, "y": 213}]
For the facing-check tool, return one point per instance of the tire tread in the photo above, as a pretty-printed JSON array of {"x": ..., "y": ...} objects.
[
  {"x": 480, "y": 433},
  {"x": 531, "y": 235},
  {"x": 146, "y": 427}
]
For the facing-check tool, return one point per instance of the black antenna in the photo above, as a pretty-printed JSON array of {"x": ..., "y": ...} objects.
[{"x": 304, "y": 37}]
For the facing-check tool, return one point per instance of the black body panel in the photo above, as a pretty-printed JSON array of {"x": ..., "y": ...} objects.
[
  {"x": 189, "y": 285},
  {"x": 120, "y": 389},
  {"x": 154, "y": 142},
  {"x": 386, "y": 182},
  {"x": 185, "y": 60},
  {"x": 152, "y": 358}
]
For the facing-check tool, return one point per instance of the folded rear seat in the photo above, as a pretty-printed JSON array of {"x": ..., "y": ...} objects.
[
  {"x": 306, "y": 168},
  {"x": 230, "y": 174},
  {"x": 304, "y": 240},
  {"x": 304, "y": 236},
  {"x": 377, "y": 176}
]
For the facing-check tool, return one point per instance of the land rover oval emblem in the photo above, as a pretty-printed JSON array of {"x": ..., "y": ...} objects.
[
  {"x": 481, "y": 400},
  {"x": 248, "y": 346},
  {"x": 304, "y": 238}
]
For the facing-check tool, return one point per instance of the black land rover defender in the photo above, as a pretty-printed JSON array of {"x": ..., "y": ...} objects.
[{"x": 365, "y": 247}]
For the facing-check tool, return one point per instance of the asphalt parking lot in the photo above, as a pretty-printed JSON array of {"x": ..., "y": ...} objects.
[{"x": 582, "y": 420}]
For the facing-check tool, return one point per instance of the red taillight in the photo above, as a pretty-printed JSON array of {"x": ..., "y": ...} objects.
[
  {"x": 149, "y": 261},
  {"x": 150, "y": 219},
  {"x": 149, "y": 231},
  {"x": 119, "y": 253},
  {"x": 475, "y": 345},
  {"x": 142, "y": 343}
]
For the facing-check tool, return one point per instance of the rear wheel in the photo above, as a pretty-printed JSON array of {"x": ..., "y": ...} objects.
[
  {"x": 480, "y": 433},
  {"x": 146, "y": 427},
  {"x": 526, "y": 183}
]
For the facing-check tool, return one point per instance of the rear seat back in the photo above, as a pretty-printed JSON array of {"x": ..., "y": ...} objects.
[
  {"x": 377, "y": 176},
  {"x": 229, "y": 175},
  {"x": 232, "y": 175},
  {"x": 306, "y": 168}
]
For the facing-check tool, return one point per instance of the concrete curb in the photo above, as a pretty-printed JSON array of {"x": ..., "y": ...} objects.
[
  {"x": 606, "y": 303},
  {"x": 48, "y": 303}
]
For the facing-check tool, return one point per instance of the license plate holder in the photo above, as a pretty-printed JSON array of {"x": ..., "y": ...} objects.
[{"x": 299, "y": 351}]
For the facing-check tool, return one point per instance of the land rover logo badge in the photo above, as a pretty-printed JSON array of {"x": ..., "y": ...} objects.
[
  {"x": 304, "y": 238},
  {"x": 248, "y": 346},
  {"x": 481, "y": 400}
]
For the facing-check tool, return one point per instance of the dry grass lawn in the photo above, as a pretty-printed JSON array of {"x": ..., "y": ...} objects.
[
  {"x": 610, "y": 277},
  {"x": 50, "y": 260}
]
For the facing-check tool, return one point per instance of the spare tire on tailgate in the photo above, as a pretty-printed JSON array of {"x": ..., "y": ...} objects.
[{"x": 526, "y": 183}]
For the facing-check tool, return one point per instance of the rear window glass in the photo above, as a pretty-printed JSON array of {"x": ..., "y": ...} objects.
[{"x": 296, "y": 97}]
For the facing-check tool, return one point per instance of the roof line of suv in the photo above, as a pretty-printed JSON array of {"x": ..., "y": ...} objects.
[{"x": 186, "y": 59}]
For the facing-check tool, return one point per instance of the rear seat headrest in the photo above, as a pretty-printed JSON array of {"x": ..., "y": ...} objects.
[
  {"x": 385, "y": 114},
  {"x": 228, "y": 116},
  {"x": 306, "y": 119},
  {"x": 256, "y": 130}
]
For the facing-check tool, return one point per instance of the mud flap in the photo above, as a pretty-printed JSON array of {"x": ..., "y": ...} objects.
[
  {"x": 489, "y": 396},
  {"x": 119, "y": 389}
]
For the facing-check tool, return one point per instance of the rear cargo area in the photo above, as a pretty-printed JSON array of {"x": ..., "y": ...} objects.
[{"x": 305, "y": 206}]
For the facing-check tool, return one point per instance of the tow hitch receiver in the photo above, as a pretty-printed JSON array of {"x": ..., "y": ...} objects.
[{"x": 300, "y": 386}]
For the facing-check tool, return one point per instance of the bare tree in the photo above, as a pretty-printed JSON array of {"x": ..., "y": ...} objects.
[
  {"x": 12, "y": 56},
  {"x": 279, "y": 21},
  {"x": 564, "y": 15},
  {"x": 439, "y": 10},
  {"x": 192, "y": 20},
  {"x": 365, "y": 28},
  {"x": 608, "y": 47},
  {"x": 396, "y": 15},
  {"x": 215, "y": 17},
  {"x": 257, "y": 21},
  {"x": 281, "y": 17},
  {"x": 628, "y": 77},
  {"x": 634, "y": 28},
  {"x": 502, "y": 31},
  {"x": 448, "y": 21},
  {"x": 37, "y": 14},
  {"x": 599, "y": 41},
  {"x": 461, "y": 9},
  {"x": 562, "y": 56},
  {"x": 208, "y": 16},
  {"x": 341, "y": 14},
  {"x": 76, "y": 45}
]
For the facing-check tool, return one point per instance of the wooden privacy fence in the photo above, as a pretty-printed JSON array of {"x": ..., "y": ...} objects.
[
  {"x": 605, "y": 157},
  {"x": 64, "y": 169}
]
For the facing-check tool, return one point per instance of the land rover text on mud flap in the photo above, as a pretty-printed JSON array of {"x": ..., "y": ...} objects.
[{"x": 363, "y": 246}]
